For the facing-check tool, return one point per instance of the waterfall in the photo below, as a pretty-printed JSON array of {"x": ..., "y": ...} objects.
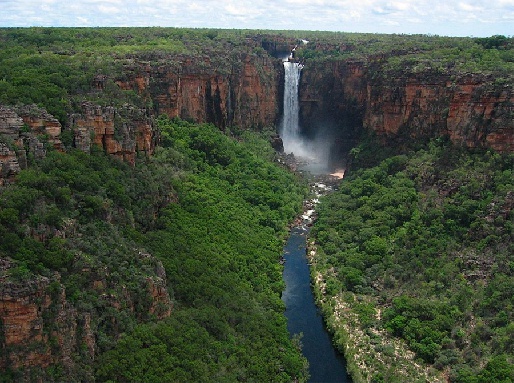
[
  {"x": 313, "y": 152},
  {"x": 290, "y": 129}
]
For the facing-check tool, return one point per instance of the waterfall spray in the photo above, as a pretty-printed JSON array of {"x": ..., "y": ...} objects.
[
  {"x": 314, "y": 152},
  {"x": 294, "y": 141}
]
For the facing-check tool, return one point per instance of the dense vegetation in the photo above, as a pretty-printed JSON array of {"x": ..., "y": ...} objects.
[
  {"x": 55, "y": 67},
  {"x": 426, "y": 239},
  {"x": 211, "y": 208},
  {"x": 419, "y": 246},
  {"x": 405, "y": 54}
]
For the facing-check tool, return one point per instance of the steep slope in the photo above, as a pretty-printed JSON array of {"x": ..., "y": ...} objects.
[
  {"x": 351, "y": 97},
  {"x": 227, "y": 91},
  {"x": 412, "y": 261}
]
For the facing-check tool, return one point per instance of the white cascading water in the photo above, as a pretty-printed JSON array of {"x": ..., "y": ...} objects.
[
  {"x": 315, "y": 151},
  {"x": 290, "y": 129},
  {"x": 306, "y": 150}
]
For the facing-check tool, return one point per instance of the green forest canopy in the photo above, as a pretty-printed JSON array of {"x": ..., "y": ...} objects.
[
  {"x": 212, "y": 209},
  {"x": 427, "y": 237},
  {"x": 55, "y": 67}
]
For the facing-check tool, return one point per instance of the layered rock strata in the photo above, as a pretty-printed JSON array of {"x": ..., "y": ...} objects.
[
  {"x": 25, "y": 130},
  {"x": 39, "y": 326},
  {"x": 470, "y": 109},
  {"x": 122, "y": 132},
  {"x": 240, "y": 91}
]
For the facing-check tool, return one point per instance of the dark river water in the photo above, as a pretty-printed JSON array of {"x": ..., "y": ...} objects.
[{"x": 325, "y": 363}]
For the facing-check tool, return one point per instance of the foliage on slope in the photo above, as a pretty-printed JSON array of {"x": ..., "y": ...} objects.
[
  {"x": 424, "y": 241},
  {"x": 404, "y": 54},
  {"x": 220, "y": 246},
  {"x": 211, "y": 208},
  {"x": 55, "y": 67}
]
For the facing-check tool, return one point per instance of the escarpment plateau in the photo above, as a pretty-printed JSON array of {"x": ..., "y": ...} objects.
[
  {"x": 230, "y": 85},
  {"x": 243, "y": 87},
  {"x": 345, "y": 97},
  {"x": 232, "y": 91}
]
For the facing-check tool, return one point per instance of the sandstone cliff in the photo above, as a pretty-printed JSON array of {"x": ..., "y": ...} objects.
[
  {"x": 40, "y": 326},
  {"x": 23, "y": 131},
  {"x": 470, "y": 109},
  {"x": 227, "y": 91},
  {"x": 122, "y": 132},
  {"x": 40, "y": 323}
]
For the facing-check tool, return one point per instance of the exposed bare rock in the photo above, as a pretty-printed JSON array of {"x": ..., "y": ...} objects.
[
  {"x": 243, "y": 94},
  {"x": 9, "y": 164},
  {"x": 10, "y": 123},
  {"x": 40, "y": 326},
  {"x": 21, "y": 305},
  {"x": 121, "y": 132},
  {"x": 25, "y": 128},
  {"x": 470, "y": 109},
  {"x": 277, "y": 143},
  {"x": 40, "y": 122},
  {"x": 161, "y": 305}
]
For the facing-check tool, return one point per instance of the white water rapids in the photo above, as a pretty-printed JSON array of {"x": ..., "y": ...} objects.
[{"x": 290, "y": 128}]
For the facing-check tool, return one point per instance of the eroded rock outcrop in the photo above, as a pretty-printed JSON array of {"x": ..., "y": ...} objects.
[
  {"x": 40, "y": 326},
  {"x": 22, "y": 330},
  {"x": 39, "y": 122},
  {"x": 9, "y": 164},
  {"x": 121, "y": 132},
  {"x": 25, "y": 130}
]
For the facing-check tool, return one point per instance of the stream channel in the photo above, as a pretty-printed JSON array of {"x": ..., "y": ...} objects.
[{"x": 326, "y": 364}]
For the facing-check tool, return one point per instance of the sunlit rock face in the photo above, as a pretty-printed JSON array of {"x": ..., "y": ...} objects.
[
  {"x": 41, "y": 326},
  {"x": 25, "y": 130},
  {"x": 122, "y": 132},
  {"x": 470, "y": 110},
  {"x": 341, "y": 99},
  {"x": 241, "y": 93}
]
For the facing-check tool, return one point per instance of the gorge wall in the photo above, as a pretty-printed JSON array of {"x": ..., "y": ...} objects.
[
  {"x": 470, "y": 109},
  {"x": 338, "y": 98},
  {"x": 243, "y": 91},
  {"x": 239, "y": 91},
  {"x": 41, "y": 325}
]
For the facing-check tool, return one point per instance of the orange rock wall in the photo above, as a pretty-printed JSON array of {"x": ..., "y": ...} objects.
[
  {"x": 242, "y": 94},
  {"x": 121, "y": 132},
  {"x": 21, "y": 305},
  {"x": 39, "y": 326},
  {"x": 470, "y": 109},
  {"x": 25, "y": 128}
]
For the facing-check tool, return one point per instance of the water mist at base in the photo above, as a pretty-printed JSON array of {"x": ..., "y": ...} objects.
[{"x": 314, "y": 154}]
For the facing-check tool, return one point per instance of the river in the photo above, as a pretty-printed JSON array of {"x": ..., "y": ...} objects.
[{"x": 325, "y": 363}]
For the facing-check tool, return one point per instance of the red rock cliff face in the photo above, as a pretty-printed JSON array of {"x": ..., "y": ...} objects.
[
  {"x": 469, "y": 109},
  {"x": 23, "y": 131},
  {"x": 121, "y": 132},
  {"x": 39, "y": 326},
  {"x": 243, "y": 93},
  {"x": 21, "y": 305}
]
